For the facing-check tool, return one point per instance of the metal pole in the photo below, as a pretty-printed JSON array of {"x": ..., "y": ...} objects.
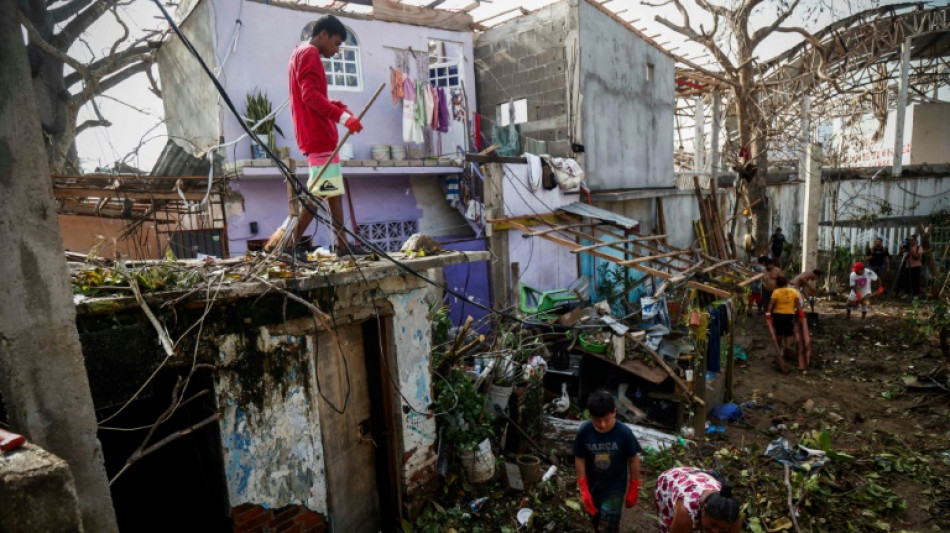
[
  {"x": 901, "y": 113},
  {"x": 714, "y": 142}
]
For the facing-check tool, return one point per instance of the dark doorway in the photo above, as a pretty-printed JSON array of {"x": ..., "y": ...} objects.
[
  {"x": 385, "y": 417},
  {"x": 181, "y": 486}
]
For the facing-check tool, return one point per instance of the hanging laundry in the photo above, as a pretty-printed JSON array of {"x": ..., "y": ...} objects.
[
  {"x": 420, "y": 104},
  {"x": 429, "y": 105},
  {"x": 411, "y": 131},
  {"x": 458, "y": 107},
  {"x": 395, "y": 85},
  {"x": 452, "y": 189},
  {"x": 477, "y": 131},
  {"x": 568, "y": 173},
  {"x": 443, "y": 112},
  {"x": 534, "y": 171}
]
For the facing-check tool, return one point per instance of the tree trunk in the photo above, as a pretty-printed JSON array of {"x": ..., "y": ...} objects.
[
  {"x": 52, "y": 97},
  {"x": 42, "y": 377}
]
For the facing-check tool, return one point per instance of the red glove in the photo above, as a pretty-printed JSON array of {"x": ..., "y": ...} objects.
[
  {"x": 880, "y": 290},
  {"x": 768, "y": 317},
  {"x": 353, "y": 124},
  {"x": 10, "y": 441},
  {"x": 586, "y": 498},
  {"x": 633, "y": 493},
  {"x": 857, "y": 296},
  {"x": 801, "y": 314}
]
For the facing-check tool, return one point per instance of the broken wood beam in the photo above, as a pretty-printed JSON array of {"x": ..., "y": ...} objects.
[
  {"x": 718, "y": 265},
  {"x": 652, "y": 258},
  {"x": 676, "y": 379},
  {"x": 751, "y": 280},
  {"x": 596, "y": 253}
]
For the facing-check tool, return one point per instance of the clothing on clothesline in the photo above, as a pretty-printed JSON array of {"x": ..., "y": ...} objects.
[
  {"x": 534, "y": 172},
  {"x": 411, "y": 131},
  {"x": 420, "y": 104},
  {"x": 443, "y": 111},
  {"x": 395, "y": 85},
  {"x": 458, "y": 108},
  {"x": 452, "y": 189}
]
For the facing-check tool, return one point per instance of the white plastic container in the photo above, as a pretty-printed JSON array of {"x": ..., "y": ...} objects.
[
  {"x": 381, "y": 152},
  {"x": 346, "y": 152},
  {"x": 398, "y": 152}
]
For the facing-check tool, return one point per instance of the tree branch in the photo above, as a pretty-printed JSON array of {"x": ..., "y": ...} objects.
[
  {"x": 92, "y": 124},
  {"x": 68, "y": 11},
  {"x": 761, "y": 33},
  {"x": 81, "y": 22},
  {"x": 114, "y": 62},
  {"x": 47, "y": 48},
  {"x": 702, "y": 39},
  {"x": 153, "y": 83},
  {"x": 125, "y": 32}
]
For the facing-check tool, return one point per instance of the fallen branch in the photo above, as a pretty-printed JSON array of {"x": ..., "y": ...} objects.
[
  {"x": 139, "y": 454},
  {"x": 162, "y": 334},
  {"x": 791, "y": 507}
]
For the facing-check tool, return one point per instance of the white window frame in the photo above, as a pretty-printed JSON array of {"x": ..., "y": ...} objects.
[
  {"x": 328, "y": 64},
  {"x": 434, "y": 79}
]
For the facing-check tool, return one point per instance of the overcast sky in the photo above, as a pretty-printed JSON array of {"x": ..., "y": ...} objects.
[{"x": 142, "y": 130}]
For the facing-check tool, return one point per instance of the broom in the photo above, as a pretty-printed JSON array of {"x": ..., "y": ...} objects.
[{"x": 282, "y": 236}]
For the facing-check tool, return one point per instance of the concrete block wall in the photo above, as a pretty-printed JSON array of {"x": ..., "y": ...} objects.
[
  {"x": 525, "y": 58},
  {"x": 37, "y": 492},
  {"x": 249, "y": 518}
]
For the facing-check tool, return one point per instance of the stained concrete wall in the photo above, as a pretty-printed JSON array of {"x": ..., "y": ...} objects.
[
  {"x": 37, "y": 492},
  {"x": 627, "y": 120},
  {"x": 526, "y": 58},
  {"x": 188, "y": 95}
]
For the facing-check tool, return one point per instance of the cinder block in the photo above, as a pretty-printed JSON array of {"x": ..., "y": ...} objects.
[{"x": 37, "y": 492}]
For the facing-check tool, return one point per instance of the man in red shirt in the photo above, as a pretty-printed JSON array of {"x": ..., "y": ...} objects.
[{"x": 315, "y": 118}]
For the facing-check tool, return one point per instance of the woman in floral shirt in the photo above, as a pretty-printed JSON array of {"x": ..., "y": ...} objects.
[{"x": 690, "y": 499}]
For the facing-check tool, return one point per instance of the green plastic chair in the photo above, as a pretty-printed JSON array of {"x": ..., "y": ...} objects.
[{"x": 540, "y": 303}]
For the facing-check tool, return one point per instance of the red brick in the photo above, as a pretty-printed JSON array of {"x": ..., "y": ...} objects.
[
  {"x": 241, "y": 508},
  {"x": 247, "y": 515},
  {"x": 322, "y": 528},
  {"x": 310, "y": 519},
  {"x": 286, "y": 513},
  {"x": 259, "y": 520},
  {"x": 288, "y": 527}
]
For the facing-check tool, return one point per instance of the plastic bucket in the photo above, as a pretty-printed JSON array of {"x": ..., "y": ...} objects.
[
  {"x": 381, "y": 152},
  {"x": 649, "y": 307},
  {"x": 398, "y": 152},
  {"x": 346, "y": 152},
  {"x": 498, "y": 395},
  {"x": 530, "y": 467},
  {"x": 478, "y": 464}
]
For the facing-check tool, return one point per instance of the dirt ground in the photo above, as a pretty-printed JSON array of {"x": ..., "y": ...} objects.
[{"x": 893, "y": 473}]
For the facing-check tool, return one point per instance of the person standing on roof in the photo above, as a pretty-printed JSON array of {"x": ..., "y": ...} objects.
[{"x": 315, "y": 119}]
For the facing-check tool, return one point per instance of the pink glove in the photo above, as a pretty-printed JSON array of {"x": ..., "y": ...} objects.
[
  {"x": 586, "y": 497},
  {"x": 633, "y": 493},
  {"x": 353, "y": 124}
]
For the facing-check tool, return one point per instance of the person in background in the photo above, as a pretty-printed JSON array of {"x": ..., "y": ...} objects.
[
  {"x": 878, "y": 258},
  {"x": 315, "y": 119},
  {"x": 860, "y": 282},
  {"x": 806, "y": 283},
  {"x": 691, "y": 499},
  {"x": 755, "y": 290},
  {"x": 777, "y": 245},
  {"x": 607, "y": 461},
  {"x": 772, "y": 273},
  {"x": 913, "y": 262},
  {"x": 784, "y": 309}
]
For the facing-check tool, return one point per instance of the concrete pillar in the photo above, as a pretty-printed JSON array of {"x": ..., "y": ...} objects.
[
  {"x": 805, "y": 139},
  {"x": 812, "y": 208},
  {"x": 37, "y": 492},
  {"x": 901, "y": 113},
  {"x": 497, "y": 240},
  {"x": 714, "y": 141},
  {"x": 699, "y": 139},
  {"x": 42, "y": 375}
]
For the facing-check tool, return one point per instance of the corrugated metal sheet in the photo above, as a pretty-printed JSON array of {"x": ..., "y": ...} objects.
[
  {"x": 589, "y": 211},
  {"x": 176, "y": 161}
]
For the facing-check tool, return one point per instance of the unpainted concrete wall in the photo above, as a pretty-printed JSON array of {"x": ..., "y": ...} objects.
[
  {"x": 526, "y": 58},
  {"x": 627, "y": 120},
  {"x": 188, "y": 94}
]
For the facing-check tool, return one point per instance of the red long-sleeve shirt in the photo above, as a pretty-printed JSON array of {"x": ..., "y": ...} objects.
[{"x": 314, "y": 117}]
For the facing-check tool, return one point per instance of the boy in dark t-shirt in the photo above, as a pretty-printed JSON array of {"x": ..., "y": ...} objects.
[{"x": 604, "y": 451}]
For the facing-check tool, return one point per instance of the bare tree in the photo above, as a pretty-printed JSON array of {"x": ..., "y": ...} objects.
[
  {"x": 732, "y": 42},
  {"x": 63, "y": 84}
]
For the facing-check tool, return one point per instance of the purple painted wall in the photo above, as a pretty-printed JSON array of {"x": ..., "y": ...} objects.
[
  {"x": 267, "y": 38},
  {"x": 471, "y": 279},
  {"x": 543, "y": 264}
]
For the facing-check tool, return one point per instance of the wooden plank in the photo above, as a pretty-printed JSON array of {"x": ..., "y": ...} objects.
[
  {"x": 651, "y": 258},
  {"x": 603, "y": 243},
  {"x": 665, "y": 264},
  {"x": 572, "y": 245},
  {"x": 420, "y": 16},
  {"x": 721, "y": 264},
  {"x": 494, "y": 158},
  {"x": 752, "y": 279},
  {"x": 637, "y": 368},
  {"x": 59, "y": 192},
  {"x": 737, "y": 267},
  {"x": 669, "y": 371},
  {"x": 703, "y": 219}
]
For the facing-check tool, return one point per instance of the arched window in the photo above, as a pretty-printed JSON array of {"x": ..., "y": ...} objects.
[{"x": 343, "y": 69}]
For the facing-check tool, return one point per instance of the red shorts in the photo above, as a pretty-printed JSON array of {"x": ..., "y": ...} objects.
[{"x": 755, "y": 298}]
